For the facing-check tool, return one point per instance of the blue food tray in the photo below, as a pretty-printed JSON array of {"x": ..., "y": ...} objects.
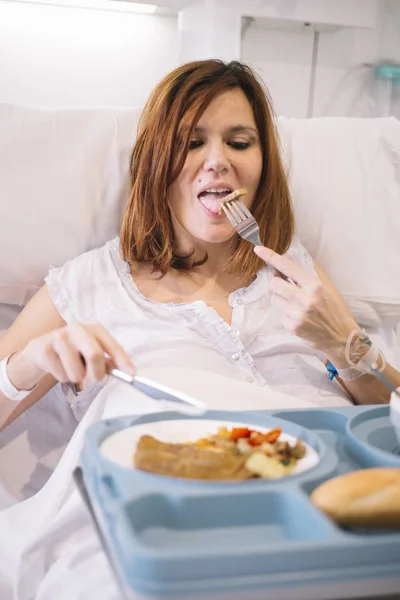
[{"x": 183, "y": 539}]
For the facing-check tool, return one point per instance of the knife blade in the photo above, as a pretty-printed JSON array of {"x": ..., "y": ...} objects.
[{"x": 161, "y": 392}]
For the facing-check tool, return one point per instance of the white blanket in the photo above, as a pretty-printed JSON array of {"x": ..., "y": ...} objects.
[{"x": 48, "y": 547}]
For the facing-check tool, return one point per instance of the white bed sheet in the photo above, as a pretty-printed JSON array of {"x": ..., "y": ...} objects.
[
  {"x": 31, "y": 447},
  {"x": 48, "y": 548}
]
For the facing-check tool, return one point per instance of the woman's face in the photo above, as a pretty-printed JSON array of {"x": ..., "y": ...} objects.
[{"x": 225, "y": 154}]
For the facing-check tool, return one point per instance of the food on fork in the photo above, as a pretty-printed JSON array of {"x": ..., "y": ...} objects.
[
  {"x": 232, "y": 196},
  {"x": 229, "y": 455}
]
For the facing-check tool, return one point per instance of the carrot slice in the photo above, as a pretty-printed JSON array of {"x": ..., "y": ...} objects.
[
  {"x": 239, "y": 432},
  {"x": 273, "y": 435},
  {"x": 270, "y": 437}
]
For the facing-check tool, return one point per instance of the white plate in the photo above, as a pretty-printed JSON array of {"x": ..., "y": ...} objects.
[{"x": 121, "y": 446}]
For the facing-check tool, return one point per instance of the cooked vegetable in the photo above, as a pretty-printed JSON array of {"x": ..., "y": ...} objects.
[
  {"x": 239, "y": 432},
  {"x": 239, "y": 453},
  {"x": 270, "y": 437}
]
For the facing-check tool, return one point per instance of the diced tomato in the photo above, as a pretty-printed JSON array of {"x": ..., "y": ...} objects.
[
  {"x": 239, "y": 432},
  {"x": 270, "y": 437}
]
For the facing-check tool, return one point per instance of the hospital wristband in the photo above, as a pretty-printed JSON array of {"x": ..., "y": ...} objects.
[{"x": 7, "y": 388}]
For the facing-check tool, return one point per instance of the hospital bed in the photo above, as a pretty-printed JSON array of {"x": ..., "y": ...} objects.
[{"x": 63, "y": 183}]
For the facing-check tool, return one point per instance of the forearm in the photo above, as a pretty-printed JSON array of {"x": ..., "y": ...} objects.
[{"x": 367, "y": 389}]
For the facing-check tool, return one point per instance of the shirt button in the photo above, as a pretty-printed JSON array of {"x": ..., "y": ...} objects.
[
  {"x": 236, "y": 356},
  {"x": 239, "y": 301},
  {"x": 236, "y": 332},
  {"x": 250, "y": 379}
]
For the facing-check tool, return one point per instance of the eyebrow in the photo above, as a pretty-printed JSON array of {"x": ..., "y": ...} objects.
[{"x": 234, "y": 129}]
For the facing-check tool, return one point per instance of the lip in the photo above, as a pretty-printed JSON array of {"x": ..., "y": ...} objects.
[{"x": 221, "y": 185}]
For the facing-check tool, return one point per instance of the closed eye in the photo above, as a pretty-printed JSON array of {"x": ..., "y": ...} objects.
[
  {"x": 193, "y": 144},
  {"x": 239, "y": 145}
]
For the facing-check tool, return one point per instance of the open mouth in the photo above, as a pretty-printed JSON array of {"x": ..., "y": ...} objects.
[{"x": 211, "y": 199}]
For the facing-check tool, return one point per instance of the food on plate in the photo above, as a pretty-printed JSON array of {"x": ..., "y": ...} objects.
[
  {"x": 230, "y": 454},
  {"x": 186, "y": 460},
  {"x": 365, "y": 498},
  {"x": 232, "y": 196}
]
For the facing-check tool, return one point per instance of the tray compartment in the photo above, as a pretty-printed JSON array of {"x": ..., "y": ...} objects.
[
  {"x": 279, "y": 516},
  {"x": 373, "y": 439},
  {"x": 167, "y": 538}
]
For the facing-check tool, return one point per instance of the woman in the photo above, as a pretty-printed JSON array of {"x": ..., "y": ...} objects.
[{"x": 179, "y": 286}]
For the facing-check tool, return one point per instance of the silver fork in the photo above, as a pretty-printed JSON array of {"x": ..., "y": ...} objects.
[{"x": 246, "y": 226}]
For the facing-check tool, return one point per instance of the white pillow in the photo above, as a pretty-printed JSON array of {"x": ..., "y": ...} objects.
[
  {"x": 64, "y": 180},
  {"x": 345, "y": 181}
]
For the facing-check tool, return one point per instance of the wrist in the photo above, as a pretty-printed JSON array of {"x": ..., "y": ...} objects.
[
  {"x": 338, "y": 356},
  {"x": 335, "y": 348},
  {"x": 360, "y": 357},
  {"x": 22, "y": 373}
]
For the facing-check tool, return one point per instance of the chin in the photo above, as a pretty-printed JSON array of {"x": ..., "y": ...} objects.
[{"x": 214, "y": 237}]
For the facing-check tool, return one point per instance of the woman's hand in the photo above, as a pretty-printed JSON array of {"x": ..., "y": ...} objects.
[
  {"x": 310, "y": 309},
  {"x": 73, "y": 353}
]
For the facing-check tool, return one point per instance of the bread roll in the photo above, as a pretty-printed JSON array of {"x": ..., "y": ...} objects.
[{"x": 364, "y": 498}]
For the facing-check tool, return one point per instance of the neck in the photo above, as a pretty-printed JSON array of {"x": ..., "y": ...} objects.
[
  {"x": 213, "y": 272},
  {"x": 218, "y": 256}
]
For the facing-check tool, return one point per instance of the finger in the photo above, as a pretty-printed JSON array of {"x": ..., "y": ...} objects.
[
  {"x": 51, "y": 363},
  {"x": 109, "y": 346},
  {"x": 43, "y": 356},
  {"x": 279, "y": 286},
  {"x": 69, "y": 356},
  {"x": 116, "y": 353},
  {"x": 284, "y": 264},
  {"x": 91, "y": 350}
]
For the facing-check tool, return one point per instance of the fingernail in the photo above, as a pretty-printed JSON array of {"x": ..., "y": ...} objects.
[{"x": 257, "y": 249}]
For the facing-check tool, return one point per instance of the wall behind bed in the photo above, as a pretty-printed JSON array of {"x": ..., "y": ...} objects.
[
  {"x": 53, "y": 56},
  {"x": 66, "y": 56}
]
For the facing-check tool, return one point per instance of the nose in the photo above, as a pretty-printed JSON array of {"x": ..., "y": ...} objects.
[{"x": 216, "y": 158}]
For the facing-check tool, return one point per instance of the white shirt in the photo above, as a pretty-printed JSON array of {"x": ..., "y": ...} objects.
[{"x": 97, "y": 287}]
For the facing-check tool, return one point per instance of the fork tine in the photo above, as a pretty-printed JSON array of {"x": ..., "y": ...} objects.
[
  {"x": 244, "y": 208},
  {"x": 230, "y": 216},
  {"x": 234, "y": 211},
  {"x": 239, "y": 209}
]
